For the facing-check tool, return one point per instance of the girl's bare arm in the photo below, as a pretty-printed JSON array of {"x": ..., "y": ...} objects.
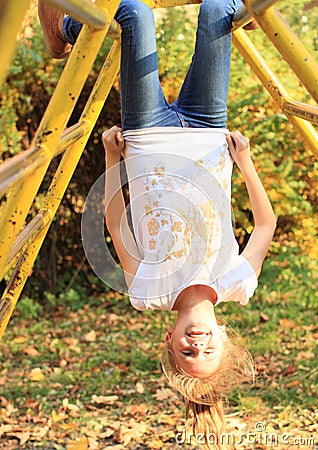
[
  {"x": 115, "y": 212},
  {"x": 264, "y": 218}
]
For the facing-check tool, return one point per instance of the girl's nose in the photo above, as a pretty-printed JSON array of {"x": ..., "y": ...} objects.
[{"x": 198, "y": 344}]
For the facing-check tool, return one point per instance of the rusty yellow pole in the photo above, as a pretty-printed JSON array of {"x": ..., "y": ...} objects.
[
  {"x": 16, "y": 168},
  {"x": 61, "y": 179},
  {"x": 84, "y": 11},
  {"x": 273, "y": 86},
  {"x": 11, "y": 16},
  {"x": 289, "y": 46},
  {"x": 53, "y": 123},
  {"x": 302, "y": 110},
  {"x": 26, "y": 236}
]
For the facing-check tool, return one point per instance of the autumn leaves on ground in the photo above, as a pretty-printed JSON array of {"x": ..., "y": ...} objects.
[{"x": 88, "y": 377}]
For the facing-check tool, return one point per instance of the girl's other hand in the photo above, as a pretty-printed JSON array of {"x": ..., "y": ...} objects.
[
  {"x": 239, "y": 148},
  {"x": 113, "y": 141}
]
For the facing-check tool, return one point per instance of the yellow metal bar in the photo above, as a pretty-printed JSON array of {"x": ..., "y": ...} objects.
[
  {"x": 32, "y": 229},
  {"x": 243, "y": 16},
  {"x": 275, "y": 89},
  {"x": 17, "y": 206},
  {"x": 114, "y": 30},
  {"x": 11, "y": 16},
  {"x": 302, "y": 110},
  {"x": 90, "y": 115},
  {"x": 62, "y": 177},
  {"x": 289, "y": 46},
  {"x": 167, "y": 3},
  {"x": 83, "y": 10},
  {"x": 71, "y": 135},
  {"x": 259, "y": 6},
  {"x": 53, "y": 123},
  {"x": 102, "y": 86},
  {"x": 8, "y": 302},
  {"x": 21, "y": 165},
  {"x": 5, "y": 306},
  {"x": 90, "y": 14}
]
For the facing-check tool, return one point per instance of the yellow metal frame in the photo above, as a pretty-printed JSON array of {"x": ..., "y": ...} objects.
[
  {"x": 11, "y": 16},
  {"x": 21, "y": 176}
]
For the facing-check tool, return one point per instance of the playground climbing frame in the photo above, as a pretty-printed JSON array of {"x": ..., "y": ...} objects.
[{"x": 22, "y": 175}]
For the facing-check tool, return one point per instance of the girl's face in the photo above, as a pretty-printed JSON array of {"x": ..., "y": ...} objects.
[{"x": 197, "y": 343}]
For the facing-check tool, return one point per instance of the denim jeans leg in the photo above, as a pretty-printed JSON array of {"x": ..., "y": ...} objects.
[
  {"x": 142, "y": 100},
  {"x": 203, "y": 96},
  {"x": 143, "y": 104},
  {"x": 71, "y": 29}
]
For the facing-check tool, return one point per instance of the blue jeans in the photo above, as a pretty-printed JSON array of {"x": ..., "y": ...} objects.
[{"x": 203, "y": 95}]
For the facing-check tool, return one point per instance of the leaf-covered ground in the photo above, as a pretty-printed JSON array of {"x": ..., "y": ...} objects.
[{"x": 88, "y": 376}]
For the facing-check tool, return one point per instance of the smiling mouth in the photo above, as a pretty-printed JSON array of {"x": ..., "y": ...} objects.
[{"x": 198, "y": 334}]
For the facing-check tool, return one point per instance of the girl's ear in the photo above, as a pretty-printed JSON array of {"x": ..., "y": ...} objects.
[{"x": 168, "y": 336}]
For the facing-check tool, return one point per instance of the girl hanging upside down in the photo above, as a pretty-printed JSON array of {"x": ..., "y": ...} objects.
[{"x": 182, "y": 254}]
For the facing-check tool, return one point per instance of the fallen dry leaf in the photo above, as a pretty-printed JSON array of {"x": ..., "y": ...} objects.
[
  {"x": 263, "y": 317},
  {"x": 168, "y": 420},
  {"x": 78, "y": 444},
  {"x": 106, "y": 400},
  {"x": 156, "y": 444},
  {"x": 39, "y": 435},
  {"x": 73, "y": 408},
  {"x": 132, "y": 431},
  {"x": 164, "y": 394},
  {"x": 23, "y": 437},
  {"x": 70, "y": 426},
  {"x": 90, "y": 337},
  {"x": 305, "y": 355},
  {"x": 140, "y": 388},
  {"x": 56, "y": 417},
  {"x": 115, "y": 447},
  {"x": 112, "y": 318},
  {"x": 136, "y": 409},
  {"x": 289, "y": 370},
  {"x": 92, "y": 444},
  {"x": 5, "y": 429},
  {"x": 36, "y": 374},
  {"x": 20, "y": 339},
  {"x": 31, "y": 351},
  {"x": 293, "y": 383},
  {"x": 286, "y": 323},
  {"x": 9, "y": 407}
]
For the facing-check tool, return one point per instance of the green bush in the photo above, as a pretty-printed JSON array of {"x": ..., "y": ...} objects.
[{"x": 29, "y": 308}]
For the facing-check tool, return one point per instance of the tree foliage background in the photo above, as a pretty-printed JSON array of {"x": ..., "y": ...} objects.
[{"x": 287, "y": 168}]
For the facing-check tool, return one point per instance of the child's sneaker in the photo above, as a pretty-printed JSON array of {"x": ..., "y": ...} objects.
[{"x": 51, "y": 20}]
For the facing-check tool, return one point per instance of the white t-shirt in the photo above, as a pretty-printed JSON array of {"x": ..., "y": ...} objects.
[{"x": 180, "y": 200}]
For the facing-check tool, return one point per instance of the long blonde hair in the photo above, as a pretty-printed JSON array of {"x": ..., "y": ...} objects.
[{"x": 204, "y": 397}]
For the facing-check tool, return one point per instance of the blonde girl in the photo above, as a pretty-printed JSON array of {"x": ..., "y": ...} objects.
[{"x": 181, "y": 254}]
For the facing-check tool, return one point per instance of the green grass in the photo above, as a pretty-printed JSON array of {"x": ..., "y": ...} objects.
[{"x": 279, "y": 327}]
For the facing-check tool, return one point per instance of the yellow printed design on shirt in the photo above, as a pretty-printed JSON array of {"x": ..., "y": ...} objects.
[{"x": 181, "y": 220}]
